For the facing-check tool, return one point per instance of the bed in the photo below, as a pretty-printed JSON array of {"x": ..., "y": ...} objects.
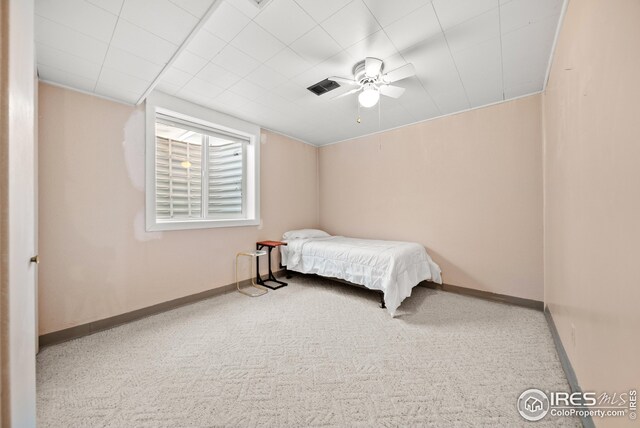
[{"x": 391, "y": 267}]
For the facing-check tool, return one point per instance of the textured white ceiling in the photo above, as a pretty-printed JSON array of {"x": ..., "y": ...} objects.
[{"x": 257, "y": 63}]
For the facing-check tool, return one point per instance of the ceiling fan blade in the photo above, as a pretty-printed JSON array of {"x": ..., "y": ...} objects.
[
  {"x": 391, "y": 91},
  {"x": 344, "y": 80},
  {"x": 372, "y": 66},
  {"x": 353, "y": 91},
  {"x": 399, "y": 73}
]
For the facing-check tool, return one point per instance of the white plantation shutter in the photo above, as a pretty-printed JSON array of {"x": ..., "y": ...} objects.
[
  {"x": 226, "y": 178},
  {"x": 200, "y": 172},
  {"x": 178, "y": 179}
]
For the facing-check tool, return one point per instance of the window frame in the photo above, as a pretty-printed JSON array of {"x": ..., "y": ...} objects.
[{"x": 197, "y": 115}]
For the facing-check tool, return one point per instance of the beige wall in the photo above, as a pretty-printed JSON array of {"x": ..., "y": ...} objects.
[
  {"x": 468, "y": 187},
  {"x": 97, "y": 259},
  {"x": 592, "y": 193}
]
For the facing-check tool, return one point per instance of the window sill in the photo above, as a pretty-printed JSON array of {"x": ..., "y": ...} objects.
[{"x": 200, "y": 224}]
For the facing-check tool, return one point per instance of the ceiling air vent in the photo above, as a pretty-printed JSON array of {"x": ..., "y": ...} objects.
[{"x": 323, "y": 87}]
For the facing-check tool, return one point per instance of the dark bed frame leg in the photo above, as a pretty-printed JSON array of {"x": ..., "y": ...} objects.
[{"x": 382, "y": 305}]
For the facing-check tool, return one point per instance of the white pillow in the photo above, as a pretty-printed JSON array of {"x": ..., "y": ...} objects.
[{"x": 305, "y": 234}]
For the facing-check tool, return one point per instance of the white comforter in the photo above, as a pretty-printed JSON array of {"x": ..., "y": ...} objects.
[{"x": 392, "y": 267}]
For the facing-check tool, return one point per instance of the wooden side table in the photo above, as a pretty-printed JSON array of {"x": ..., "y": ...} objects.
[
  {"x": 270, "y": 245},
  {"x": 261, "y": 290}
]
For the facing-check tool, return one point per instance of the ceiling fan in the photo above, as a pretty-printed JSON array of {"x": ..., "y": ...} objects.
[{"x": 371, "y": 82}]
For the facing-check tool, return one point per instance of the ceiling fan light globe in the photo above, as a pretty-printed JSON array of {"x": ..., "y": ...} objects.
[{"x": 368, "y": 97}]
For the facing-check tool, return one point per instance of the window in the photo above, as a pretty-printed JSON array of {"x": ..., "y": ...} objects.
[
  {"x": 199, "y": 172},
  {"x": 203, "y": 174}
]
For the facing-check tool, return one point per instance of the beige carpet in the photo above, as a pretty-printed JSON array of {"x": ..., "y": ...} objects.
[{"x": 316, "y": 353}]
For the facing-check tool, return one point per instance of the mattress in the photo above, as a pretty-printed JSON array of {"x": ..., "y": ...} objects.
[{"x": 389, "y": 266}]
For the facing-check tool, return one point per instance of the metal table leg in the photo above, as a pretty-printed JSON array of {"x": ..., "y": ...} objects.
[
  {"x": 271, "y": 277},
  {"x": 261, "y": 290}
]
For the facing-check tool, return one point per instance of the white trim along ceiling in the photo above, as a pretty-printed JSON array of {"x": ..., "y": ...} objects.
[{"x": 255, "y": 61}]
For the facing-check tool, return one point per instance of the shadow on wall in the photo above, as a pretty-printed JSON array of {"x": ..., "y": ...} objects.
[
  {"x": 133, "y": 148},
  {"x": 462, "y": 275}
]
